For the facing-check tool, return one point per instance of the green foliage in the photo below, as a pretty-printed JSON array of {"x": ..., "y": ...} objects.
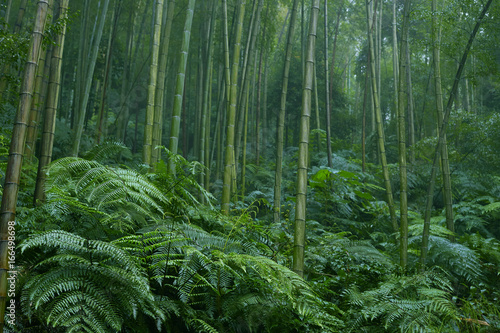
[
  {"x": 222, "y": 284},
  {"x": 416, "y": 303},
  {"x": 84, "y": 285}
]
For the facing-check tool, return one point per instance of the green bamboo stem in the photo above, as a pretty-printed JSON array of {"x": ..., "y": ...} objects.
[
  {"x": 300, "y": 210},
  {"x": 179, "y": 86},
  {"x": 153, "y": 79},
  {"x": 281, "y": 115},
  {"x": 14, "y": 162},
  {"x": 49, "y": 124},
  {"x": 229, "y": 160}
]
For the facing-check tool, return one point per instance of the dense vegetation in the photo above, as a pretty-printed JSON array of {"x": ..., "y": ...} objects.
[{"x": 115, "y": 232}]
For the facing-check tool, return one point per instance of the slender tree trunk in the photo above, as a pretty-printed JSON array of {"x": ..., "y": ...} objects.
[
  {"x": 36, "y": 106},
  {"x": 20, "y": 16},
  {"x": 208, "y": 126},
  {"x": 328, "y": 92},
  {"x": 229, "y": 159},
  {"x": 334, "y": 51},
  {"x": 442, "y": 129},
  {"x": 265, "y": 121},
  {"x": 168, "y": 11},
  {"x": 147, "y": 150},
  {"x": 300, "y": 211},
  {"x": 316, "y": 107},
  {"x": 281, "y": 116},
  {"x": 395, "y": 62},
  {"x": 402, "y": 103},
  {"x": 7, "y": 14},
  {"x": 89, "y": 72},
  {"x": 102, "y": 120},
  {"x": 179, "y": 86},
  {"x": 204, "y": 138},
  {"x": 445, "y": 166},
  {"x": 380, "y": 131},
  {"x": 49, "y": 124},
  {"x": 411, "y": 109},
  {"x": 14, "y": 162},
  {"x": 123, "y": 115},
  {"x": 245, "y": 79},
  {"x": 257, "y": 111},
  {"x": 363, "y": 129},
  {"x": 244, "y": 159}
]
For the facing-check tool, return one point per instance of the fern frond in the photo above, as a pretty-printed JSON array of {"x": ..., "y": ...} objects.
[{"x": 82, "y": 284}]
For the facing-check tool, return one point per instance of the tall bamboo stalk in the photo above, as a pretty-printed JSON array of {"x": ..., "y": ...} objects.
[
  {"x": 445, "y": 164},
  {"x": 327, "y": 92},
  {"x": 395, "y": 62},
  {"x": 379, "y": 127},
  {"x": 168, "y": 10},
  {"x": 205, "y": 116},
  {"x": 49, "y": 124},
  {"x": 37, "y": 105},
  {"x": 442, "y": 132},
  {"x": 229, "y": 168},
  {"x": 246, "y": 77},
  {"x": 88, "y": 73},
  {"x": 153, "y": 79},
  {"x": 14, "y": 162},
  {"x": 281, "y": 115},
  {"x": 300, "y": 210},
  {"x": 402, "y": 104},
  {"x": 179, "y": 86},
  {"x": 20, "y": 16},
  {"x": 102, "y": 120}
]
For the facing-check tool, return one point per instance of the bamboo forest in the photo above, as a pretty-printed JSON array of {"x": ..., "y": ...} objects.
[{"x": 249, "y": 166}]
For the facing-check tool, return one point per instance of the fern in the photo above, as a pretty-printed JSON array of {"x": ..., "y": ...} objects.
[
  {"x": 85, "y": 284},
  {"x": 410, "y": 303}
]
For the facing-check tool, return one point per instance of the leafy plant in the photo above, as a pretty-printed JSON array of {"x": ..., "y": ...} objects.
[{"x": 84, "y": 285}]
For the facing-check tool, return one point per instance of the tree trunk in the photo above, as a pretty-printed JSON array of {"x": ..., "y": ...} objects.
[
  {"x": 229, "y": 167},
  {"x": 49, "y": 124},
  {"x": 179, "y": 86},
  {"x": 380, "y": 130},
  {"x": 168, "y": 10},
  {"x": 244, "y": 158},
  {"x": 102, "y": 120},
  {"x": 89, "y": 72},
  {"x": 442, "y": 129},
  {"x": 411, "y": 109},
  {"x": 20, "y": 16},
  {"x": 14, "y": 162},
  {"x": 37, "y": 105},
  {"x": 204, "y": 138},
  {"x": 316, "y": 107},
  {"x": 281, "y": 116},
  {"x": 402, "y": 103},
  {"x": 328, "y": 92},
  {"x": 395, "y": 61},
  {"x": 300, "y": 211},
  {"x": 147, "y": 150},
  {"x": 245, "y": 79}
]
